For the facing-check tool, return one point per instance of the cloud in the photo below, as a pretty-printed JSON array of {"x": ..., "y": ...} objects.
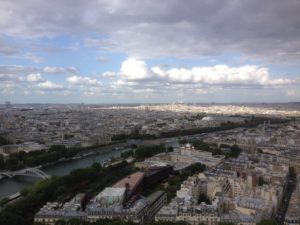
[
  {"x": 109, "y": 74},
  {"x": 16, "y": 78},
  {"x": 49, "y": 85},
  {"x": 9, "y": 78},
  {"x": 8, "y": 88},
  {"x": 92, "y": 91},
  {"x": 17, "y": 69},
  {"x": 8, "y": 49},
  {"x": 134, "y": 71},
  {"x": 61, "y": 70},
  {"x": 266, "y": 30},
  {"x": 21, "y": 70},
  {"x": 295, "y": 93},
  {"x": 83, "y": 81},
  {"x": 34, "y": 77}
]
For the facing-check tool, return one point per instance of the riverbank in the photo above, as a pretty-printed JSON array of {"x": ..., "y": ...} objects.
[
  {"x": 93, "y": 178},
  {"x": 91, "y": 152},
  {"x": 56, "y": 153},
  {"x": 64, "y": 166},
  {"x": 61, "y": 168}
]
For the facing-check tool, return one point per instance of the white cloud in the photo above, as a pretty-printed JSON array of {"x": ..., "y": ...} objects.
[
  {"x": 34, "y": 77},
  {"x": 83, "y": 81},
  {"x": 7, "y": 77},
  {"x": 61, "y": 70},
  {"x": 109, "y": 74},
  {"x": 8, "y": 88},
  {"x": 49, "y": 85},
  {"x": 218, "y": 75},
  {"x": 133, "y": 69}
]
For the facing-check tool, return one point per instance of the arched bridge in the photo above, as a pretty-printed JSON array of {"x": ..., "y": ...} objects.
[{"x": 28, "y": 172}]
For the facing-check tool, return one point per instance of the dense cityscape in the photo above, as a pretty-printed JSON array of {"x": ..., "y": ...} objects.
[
  {"x": 176, "y": 163},
  {"x": 147, "y": 112}
]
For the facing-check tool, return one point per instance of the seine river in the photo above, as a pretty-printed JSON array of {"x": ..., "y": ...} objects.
[
  {"x": 16, "y": 184},
  {"x": 10, "y": 186}
]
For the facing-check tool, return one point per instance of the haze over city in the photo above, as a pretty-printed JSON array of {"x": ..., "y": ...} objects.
[
  {"x": 149, "y": 51},
  {"x": 147, "y": 112}
]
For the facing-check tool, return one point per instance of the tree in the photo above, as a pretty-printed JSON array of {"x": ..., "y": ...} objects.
[
  {"x": 226, "y": 223},
  {"x": 235, "y": 151},
  {"x": 168, "y": 223},
  {"x": 133, "y": 146},
  {"x": 145, "y": 151},
  {"x": 3, "y": 201},
  {"x": 74, "y": 222},
  {"x": 127, "y": 154},
  {"x": 61, "y": 189},
  {"x": 267, "y": 222},
  {"x": 2, "y": 163},
  {"x": 183, "y": 141},
  {"x": 60, "y": 222},
  {"x": 170, "y": 149},
  {"x": 97, "y": 166}
]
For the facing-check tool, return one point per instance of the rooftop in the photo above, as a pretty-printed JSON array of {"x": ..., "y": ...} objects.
[{"x": 130, "y": 181}]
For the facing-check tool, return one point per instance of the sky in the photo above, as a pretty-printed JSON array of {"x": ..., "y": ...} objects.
[{"x": 149, "y": 51}]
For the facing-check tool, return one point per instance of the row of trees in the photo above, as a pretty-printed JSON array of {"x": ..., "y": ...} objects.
[
  {"x": 22, "y": 159},
  {"x": 250, "y": 122},
  {"x": 92, "y": 180},
  {"x": 233, "y": 151},
  {"x": 111, "y": 222},
  {"x": 262, "y": 222},
  {"x": 145, "y": 151}
]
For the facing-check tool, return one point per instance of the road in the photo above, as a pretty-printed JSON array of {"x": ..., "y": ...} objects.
[{"x": 285, "y": 201}]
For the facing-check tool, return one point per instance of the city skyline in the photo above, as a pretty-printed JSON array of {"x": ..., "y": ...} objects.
[{"x": 112, "y": 52}]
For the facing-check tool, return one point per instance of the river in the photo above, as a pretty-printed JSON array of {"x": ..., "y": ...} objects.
[
  {"x": 16, "y": 184},
  {"x": 10, "y": 186}
]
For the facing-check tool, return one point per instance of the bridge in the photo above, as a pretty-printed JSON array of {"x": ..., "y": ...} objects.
[{"x": 28, "y": 172}]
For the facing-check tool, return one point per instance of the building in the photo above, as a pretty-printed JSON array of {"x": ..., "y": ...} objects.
[
  {"x": 132, "y": 183},
  {"x": 155, "y": 202},
  {"x": 202, "y": 213},
  {"x": 54, "y": 211},
  {"x": 155, "y": 174},
  {"x": 183, "y": 157},
  {"x": 139, "y": 211}
]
